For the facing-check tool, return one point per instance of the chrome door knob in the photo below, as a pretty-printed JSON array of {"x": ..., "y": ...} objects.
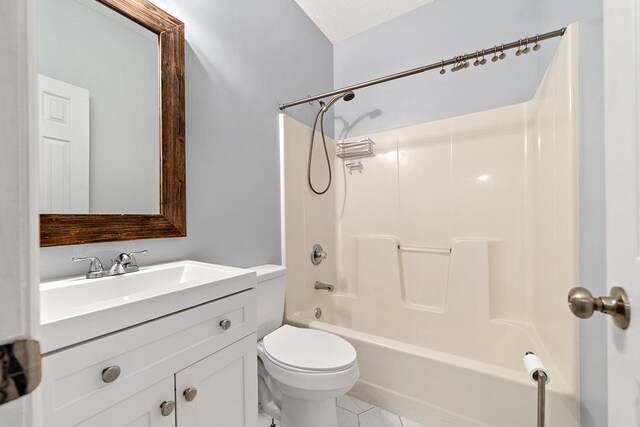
[
  {"x": 225, "y": 324},
  {"x": 110, "y": 374},
  {"x": 167, "y": 407},
  {"x": 190, "y": 394},
  {"x": 582, "y": 304}
]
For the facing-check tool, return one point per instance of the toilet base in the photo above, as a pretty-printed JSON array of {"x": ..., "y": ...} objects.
[{"x": 308, "y": 413}]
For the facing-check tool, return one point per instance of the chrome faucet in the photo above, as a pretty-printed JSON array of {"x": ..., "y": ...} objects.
[
  {"x": 124, "y": 263},
  {"x": 323, "y": 286},
  {"x": 118, "y": 265}
]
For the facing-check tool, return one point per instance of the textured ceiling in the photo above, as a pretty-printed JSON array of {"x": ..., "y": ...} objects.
[{"x": 341, "y": 19}]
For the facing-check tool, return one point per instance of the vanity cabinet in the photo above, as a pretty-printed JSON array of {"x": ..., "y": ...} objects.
[
  {"x": 123, "y": 378},
  {"x": 220, "y": 385}
]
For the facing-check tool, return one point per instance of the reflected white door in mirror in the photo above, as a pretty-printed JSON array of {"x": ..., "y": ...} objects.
[{"x": 64, "y": 147}]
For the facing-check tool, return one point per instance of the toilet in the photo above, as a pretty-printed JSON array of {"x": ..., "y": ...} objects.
[{"x": 301, "y": 371}]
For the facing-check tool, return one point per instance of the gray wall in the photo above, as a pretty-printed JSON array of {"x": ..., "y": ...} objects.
[
  {"x": 117, "y": 61},
  {"x": 593, "y": 350},
  {"x": 243, "y": 57},
  {"x": 436, "y": 31}
]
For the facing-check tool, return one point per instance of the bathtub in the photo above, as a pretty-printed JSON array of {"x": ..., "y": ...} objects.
[{"x": 442, "y": 389}]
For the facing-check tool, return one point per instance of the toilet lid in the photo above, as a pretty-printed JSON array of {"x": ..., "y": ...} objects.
[{"x": 309, "y": 349}]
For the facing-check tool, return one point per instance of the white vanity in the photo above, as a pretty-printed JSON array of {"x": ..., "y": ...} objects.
[{"x": 170, "y": 345}]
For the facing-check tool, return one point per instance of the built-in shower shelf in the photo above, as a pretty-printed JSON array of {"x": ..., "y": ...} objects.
[{"x": 355, "y": 149}]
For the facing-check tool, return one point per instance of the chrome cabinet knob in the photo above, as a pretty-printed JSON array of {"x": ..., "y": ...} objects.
[
  {"x": 167, "y": 407},
  {"x": 190, "y": 394},
  {"x": 225, "y": 324},
  {"x": 110, "y": 374},
  {"x": 582, "y": 304}
]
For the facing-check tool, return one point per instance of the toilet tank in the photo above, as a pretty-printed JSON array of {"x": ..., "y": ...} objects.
[{"x": 272, "y": 280}]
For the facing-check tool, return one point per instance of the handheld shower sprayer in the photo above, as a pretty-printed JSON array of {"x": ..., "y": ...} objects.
[
  {"x": 324, "y": 107},
  {"x": 346, "y": 96}
]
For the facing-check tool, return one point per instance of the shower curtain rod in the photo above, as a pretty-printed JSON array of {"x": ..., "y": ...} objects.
[{"x": 436, "y": 65}]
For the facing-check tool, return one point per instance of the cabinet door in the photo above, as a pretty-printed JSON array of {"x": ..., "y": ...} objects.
[
  {"x": 143, "y": 409},
  {"x": 226, "y": 391}
]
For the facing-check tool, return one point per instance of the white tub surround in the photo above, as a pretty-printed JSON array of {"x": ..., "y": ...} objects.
[{"x": 451, "y": 255}]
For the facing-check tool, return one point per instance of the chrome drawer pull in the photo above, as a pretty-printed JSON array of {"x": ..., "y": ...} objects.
[
  {"x": 167, "y": 407},
  {"x": 190, "y": 394},
  {"x": 225, "y": 324},
  {"x": 110, "y": 374}
]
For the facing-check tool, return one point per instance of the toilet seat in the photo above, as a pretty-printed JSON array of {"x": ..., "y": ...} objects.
[
  {"x": 330, "y": 370},
  {"x": 308, "y": 350}
]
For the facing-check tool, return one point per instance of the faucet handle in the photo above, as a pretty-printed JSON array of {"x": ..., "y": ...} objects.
[
  {"x": 132, "y": 255},
  {"x": 95, "y": 269},
  {"x": 317, "y": 254},
  {"x": 96, "y": 265},
  {"x": 142, "y": 252},
  {"x": 123, "y": 259}
]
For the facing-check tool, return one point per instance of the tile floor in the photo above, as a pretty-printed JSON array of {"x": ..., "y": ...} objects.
[{"x": 356, "y": 413}]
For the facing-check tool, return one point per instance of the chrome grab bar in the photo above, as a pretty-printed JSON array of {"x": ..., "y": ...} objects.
[
  {"x": 424, "y": 249},
  {"x": 323, "y": 286}
]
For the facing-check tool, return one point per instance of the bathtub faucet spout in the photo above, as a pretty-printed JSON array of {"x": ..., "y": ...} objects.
[{"x": 323, "y": 286}]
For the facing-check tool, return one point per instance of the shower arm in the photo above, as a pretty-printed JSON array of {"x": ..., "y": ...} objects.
[{"x": 436, "y": 65}]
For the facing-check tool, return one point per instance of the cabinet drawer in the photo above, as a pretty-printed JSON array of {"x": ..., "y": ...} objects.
[
  {"x": 140, "y": 410},
  {"x": 73, "y": 387}
]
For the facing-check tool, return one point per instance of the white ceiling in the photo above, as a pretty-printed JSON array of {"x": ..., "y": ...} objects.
[{"x": 341, "y": 19}]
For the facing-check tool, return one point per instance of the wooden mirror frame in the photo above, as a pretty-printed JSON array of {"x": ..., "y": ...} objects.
[{"x": 71, "y": 229}]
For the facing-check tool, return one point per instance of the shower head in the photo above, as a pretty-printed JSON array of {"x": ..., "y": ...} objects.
[{"x": 346, "y": 96}]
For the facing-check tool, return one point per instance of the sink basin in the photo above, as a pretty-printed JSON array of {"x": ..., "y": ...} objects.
[{"x": 78, "y": 309}]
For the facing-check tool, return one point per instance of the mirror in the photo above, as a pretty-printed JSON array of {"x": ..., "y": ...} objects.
[
  {"x": 111, "y": 121},
  {"x": 99, "y": 103}
]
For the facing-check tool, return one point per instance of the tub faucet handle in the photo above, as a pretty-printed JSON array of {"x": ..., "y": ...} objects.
[{"x": 317, "y": 254}]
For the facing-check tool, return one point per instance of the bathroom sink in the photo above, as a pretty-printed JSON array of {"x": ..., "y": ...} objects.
[{"x": 77, "y": 309}]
